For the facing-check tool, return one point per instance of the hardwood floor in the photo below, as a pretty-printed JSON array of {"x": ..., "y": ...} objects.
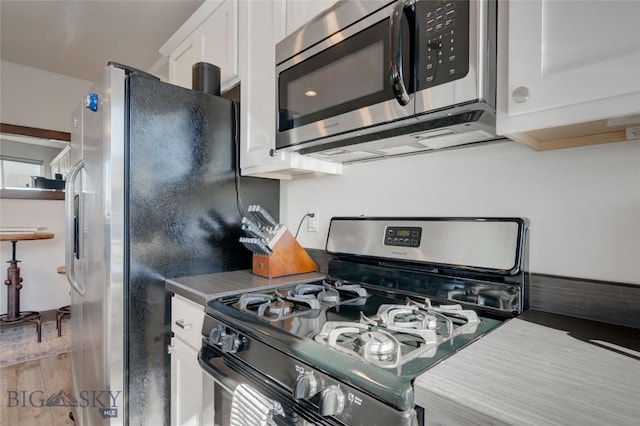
[{"x": 26, "y": 387}]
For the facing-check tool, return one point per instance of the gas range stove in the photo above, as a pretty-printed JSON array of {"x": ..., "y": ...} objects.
[{"x": 346, "y": 350}]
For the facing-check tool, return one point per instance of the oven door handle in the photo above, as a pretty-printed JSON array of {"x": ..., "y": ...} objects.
[{"x": 402, "y": 8}]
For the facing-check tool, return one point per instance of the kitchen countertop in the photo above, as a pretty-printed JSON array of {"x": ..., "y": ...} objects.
[
  {"x": 538, "y": 369},
  {"x": 202, "y": 288}
]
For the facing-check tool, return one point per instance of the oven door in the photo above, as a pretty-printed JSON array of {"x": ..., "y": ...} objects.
[
  {"x": 356, "y": 78},
  {"x": 225, "y": 375}
]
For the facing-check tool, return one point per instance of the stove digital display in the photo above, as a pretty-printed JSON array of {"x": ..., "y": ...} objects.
[{"x": 402, "y": 236}]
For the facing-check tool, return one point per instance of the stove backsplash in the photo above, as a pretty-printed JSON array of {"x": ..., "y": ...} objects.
[
  {"x": 609, "y": 302},
  {"x": 507, "y": 296},
  {"x": 478, "y": 261}
]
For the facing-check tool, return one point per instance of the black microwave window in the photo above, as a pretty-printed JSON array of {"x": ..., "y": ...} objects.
[
  {"x": 345, "y": 77},
  {"x": 309, "y": 94}
]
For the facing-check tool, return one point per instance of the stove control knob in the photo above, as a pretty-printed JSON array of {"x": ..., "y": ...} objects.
[
  {"x": 216, "y": 335},
  {"x": 231, "y": 343},
  {"x": 306, "y": 386},
  {"x": 331, "y": 401}
]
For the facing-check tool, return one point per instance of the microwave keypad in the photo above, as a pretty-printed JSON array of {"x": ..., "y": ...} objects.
[
  {"x": 443, "y": 42},
  {"x": 402, "y": 236}
]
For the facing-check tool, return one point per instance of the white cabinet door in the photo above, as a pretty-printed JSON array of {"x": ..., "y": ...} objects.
[
  {"x": 567, "y": 62},
  {"x": 182, "y": 59},
  {"x": 299, "y": 12},
  {"x": 219, "y": 41},
  {"x": 209, "y": 35},
  {"x": 186, "y": 374},
  {"x": 186, "y": 321},
  {"x": 186, "y": 385},
  {"x": 260, "y": 24}
]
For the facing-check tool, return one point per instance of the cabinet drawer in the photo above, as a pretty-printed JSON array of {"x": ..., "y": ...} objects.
[{"x": 186, "y": 321}]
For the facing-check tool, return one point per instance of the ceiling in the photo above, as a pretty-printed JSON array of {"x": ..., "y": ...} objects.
[{"x": 78, "y": 38}]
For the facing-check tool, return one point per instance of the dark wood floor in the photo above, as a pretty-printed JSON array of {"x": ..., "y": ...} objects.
[{"x": 25, "y": 387}]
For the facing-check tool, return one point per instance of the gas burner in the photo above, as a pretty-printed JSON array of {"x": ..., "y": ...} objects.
[
  {"x": 306, "y": 290},
  {"x": 329, "y": 296},
  {"x": 422, "y": 329},
  {"x": 375, "y": 344},
  {"x": 279, "y": 308},
  {"x": 276, "y": 306},
  {"x": 398, "y": 334},
  {"x": 455, "y": 319},
  {"x": 351, "y": 288},
  {"x": 403, "y": 317},
  {"x": 250, "y": 299},
  {"x": 368, "y": 343},
  {"x": 328, "y": 293},
  {"x": 306, "y": 293}
]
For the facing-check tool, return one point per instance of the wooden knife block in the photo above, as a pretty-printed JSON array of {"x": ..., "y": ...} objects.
[{"x": 287, "y": 257}]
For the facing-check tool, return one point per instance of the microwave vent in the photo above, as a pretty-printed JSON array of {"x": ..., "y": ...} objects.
[
  {"x": 454, "y": 139},
  {"x": 432, "y": 133},
  {"x": 345, "y": 156},
  {"x": 402, "y": 149}
]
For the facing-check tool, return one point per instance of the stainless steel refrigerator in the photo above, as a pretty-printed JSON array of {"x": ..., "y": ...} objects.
[{"x": 155, "y": 193}]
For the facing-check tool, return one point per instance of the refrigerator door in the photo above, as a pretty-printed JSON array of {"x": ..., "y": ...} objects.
[
  {"x": 95, "y": 240},
  {"x": 73, "y": 265},
  {"x": 182, "y": 220},
  {"x": 156, "y": 195}
]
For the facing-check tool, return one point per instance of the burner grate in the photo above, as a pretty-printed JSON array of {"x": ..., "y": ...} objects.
[
  {"x": 303, "y": 299},
  {"x": 398, "y": 334}
]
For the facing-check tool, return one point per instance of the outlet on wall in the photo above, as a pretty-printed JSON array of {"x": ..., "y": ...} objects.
[{"x": 312, "y": 221}]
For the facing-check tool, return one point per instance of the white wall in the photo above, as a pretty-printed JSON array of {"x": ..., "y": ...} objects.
[
  {"x": 583, "y": 203},
  {"x": 43, "y": 288},
  {"x": 35, "y": 98}
]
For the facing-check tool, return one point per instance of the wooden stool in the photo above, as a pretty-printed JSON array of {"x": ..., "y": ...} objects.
[{"x": 64, "y": 311}]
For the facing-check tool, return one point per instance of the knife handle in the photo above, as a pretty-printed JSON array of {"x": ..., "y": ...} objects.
[{"x": 263, "y": 215}]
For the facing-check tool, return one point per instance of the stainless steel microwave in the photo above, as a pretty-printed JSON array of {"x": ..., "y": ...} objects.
[{"x": 370, "y": 79}]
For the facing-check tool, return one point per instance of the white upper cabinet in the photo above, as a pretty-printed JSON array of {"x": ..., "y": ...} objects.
[
  {"x": 262, "y": 24},
  {"x": 209, "y": 35},
  {"x": 181, "y": 61},
  {"x": 569, "y": 72},
  {"x": 299, "y": 12}
]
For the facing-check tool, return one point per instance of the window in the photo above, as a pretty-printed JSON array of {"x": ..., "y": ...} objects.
[{"x": 17, "y": 172}]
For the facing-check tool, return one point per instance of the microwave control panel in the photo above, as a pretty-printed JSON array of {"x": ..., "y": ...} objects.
[
  {"x": 402, "y": 236},
  {"x": 443, "y": 41}
]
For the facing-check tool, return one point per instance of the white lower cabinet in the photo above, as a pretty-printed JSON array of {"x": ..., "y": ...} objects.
[
  {"x": 186, "y": 374},
  {"x": 186, "y": 385}
]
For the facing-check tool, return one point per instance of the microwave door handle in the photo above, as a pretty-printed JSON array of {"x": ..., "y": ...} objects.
[{"x": 396, "y": 61}]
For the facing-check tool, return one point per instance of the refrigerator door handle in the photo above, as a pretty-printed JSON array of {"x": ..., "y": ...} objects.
[{"x": 72, "y": 224}]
